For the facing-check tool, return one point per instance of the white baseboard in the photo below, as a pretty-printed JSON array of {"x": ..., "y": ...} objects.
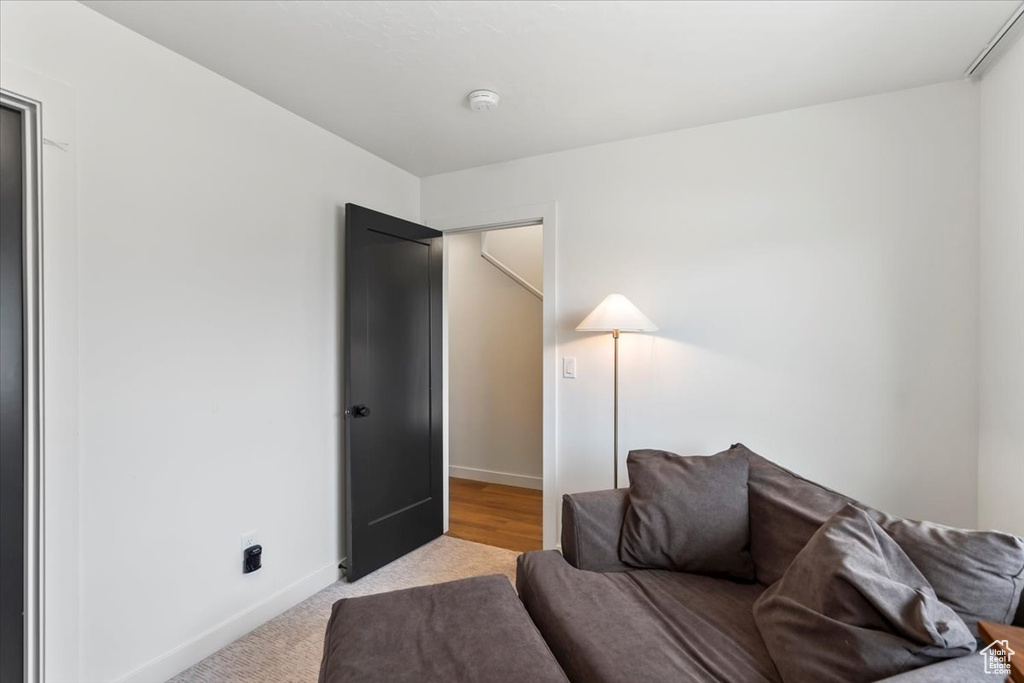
[
  {"x": 492, "y": 477},
  {"x": 231, "y": 629}
]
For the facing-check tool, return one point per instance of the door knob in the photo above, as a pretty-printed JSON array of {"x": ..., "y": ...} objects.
[{"x": 360, "y": 411}]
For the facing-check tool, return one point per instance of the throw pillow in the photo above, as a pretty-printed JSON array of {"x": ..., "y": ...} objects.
[
  {"x": 688, "y": 514},
  {"x": 853, "y": 607}
]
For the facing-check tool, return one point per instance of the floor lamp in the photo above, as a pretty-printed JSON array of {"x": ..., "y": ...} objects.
[{"x": 616, "y": 314}]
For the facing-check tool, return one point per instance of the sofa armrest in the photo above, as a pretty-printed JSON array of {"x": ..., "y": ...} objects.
[{"x": 591, "y": 524}]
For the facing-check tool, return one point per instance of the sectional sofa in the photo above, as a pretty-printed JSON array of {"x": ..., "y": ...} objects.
[
  {"x": 607, "y": 620},
  {"x": 722, "y": 568}
]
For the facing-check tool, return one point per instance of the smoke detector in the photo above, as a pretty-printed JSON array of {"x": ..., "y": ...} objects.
[{"x": 483, "y": 100}]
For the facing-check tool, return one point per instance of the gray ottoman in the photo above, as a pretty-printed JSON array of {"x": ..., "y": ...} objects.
[{"x": 474, "y": 630}]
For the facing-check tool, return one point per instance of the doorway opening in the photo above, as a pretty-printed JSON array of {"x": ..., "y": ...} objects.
[{"x": 495, "y": 292}]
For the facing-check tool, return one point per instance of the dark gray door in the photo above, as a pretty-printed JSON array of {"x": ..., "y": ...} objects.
[
  {"x": 392, "y": 388},
  {"x": 12, "y": 397}
]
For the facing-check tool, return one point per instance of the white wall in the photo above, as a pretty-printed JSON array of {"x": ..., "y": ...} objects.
[
  {"x": 495, "y": 394},
  {"x": 209, "y": 228},
  {"x": 1001, "y": 311},
  {"x": 814, "y": 275}
]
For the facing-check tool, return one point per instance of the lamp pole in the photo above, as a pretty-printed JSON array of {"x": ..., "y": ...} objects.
[{"x": 615, "y": 337}]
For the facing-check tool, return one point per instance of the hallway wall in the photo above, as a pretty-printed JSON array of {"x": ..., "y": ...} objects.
[{"x": 495, "y": 388}]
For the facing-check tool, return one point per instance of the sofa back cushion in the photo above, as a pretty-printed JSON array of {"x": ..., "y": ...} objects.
[
  {"x": 688, "y": 514},
  {"x": 785, "y": 511},
  {"x": 980, "y": 574},
  {"x": 853, "y": 607}
]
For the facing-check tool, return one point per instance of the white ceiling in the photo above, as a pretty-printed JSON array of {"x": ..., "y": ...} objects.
[{"x": 392, "y": 77}]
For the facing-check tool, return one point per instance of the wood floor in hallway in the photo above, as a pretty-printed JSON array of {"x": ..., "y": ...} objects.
[{"x": 494, "y": 514}]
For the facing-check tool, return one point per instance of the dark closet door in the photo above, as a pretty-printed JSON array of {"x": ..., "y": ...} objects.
[
  {"x": 392, "y": 388},
  {"x": 12, "y": 397}
]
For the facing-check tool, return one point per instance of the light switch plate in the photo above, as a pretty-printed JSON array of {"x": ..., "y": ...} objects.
[{"x": 569, "y": 368}]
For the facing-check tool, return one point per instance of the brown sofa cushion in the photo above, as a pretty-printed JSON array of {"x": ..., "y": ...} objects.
[
  {"x": 469, "y": 631},
  {"x": 688, "y": 514},
  {"x": 785, "y": 511},
  {"x": 645, "y": 625},
  {"x": 853, "y": 607},
  {"x": 980, "y": 574}
]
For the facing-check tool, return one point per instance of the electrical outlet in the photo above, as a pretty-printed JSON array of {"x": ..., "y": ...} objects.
[{"x": 249, "y": 539}]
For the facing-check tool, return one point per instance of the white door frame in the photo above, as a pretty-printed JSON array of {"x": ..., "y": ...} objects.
[
  {"x": 545, "y": 213},
  {"x": 32, "y": 141}
]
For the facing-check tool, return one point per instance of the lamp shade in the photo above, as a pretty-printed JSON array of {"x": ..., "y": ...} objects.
[{"x": 616, "y": 312}]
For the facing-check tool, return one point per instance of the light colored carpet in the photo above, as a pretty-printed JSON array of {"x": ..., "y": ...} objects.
[{"x": 287, "y": 649}]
